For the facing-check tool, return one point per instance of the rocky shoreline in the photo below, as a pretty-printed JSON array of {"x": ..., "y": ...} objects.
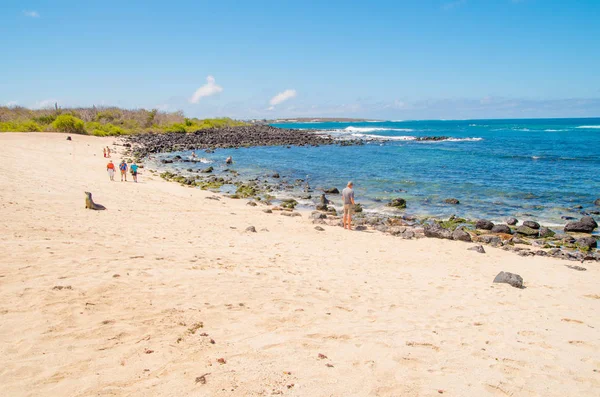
[
  {"x": 230, "y": 137},
  {"x": 529, "y": 238}
]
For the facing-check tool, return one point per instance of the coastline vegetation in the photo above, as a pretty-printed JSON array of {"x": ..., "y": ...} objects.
[{"x": 104, "y": 121}]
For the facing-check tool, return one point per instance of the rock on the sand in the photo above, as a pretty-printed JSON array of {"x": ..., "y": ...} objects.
[
  {"x": 587, "y": 224},
  {"x": 512, "y": 221},
  {"x": 586, "y": 242},
  {"x": 436, "y": 231},
  {"x": 477, "y": 248},
  {"x": 545, "y": 232},
  {"x": 527, "y": 231},
  {"x": 251, "y": 229},
  {"x": 317, "y": 215},
  {"x": 268, "y": 211},
  {"x": 319, "y": 228},
  {"x": 531, "y": 224},
  {"x": 287, "y": 213},
  {"x": 509, "y": 278},
  {"x": 501, "y": 229},
  {"x": 333, "y": 190},
  {"x": 484, "y": 224},
  {"x": 460, "y": 235}
]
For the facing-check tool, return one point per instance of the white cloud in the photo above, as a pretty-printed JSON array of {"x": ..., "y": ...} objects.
[
  {"x": 46, "y": 103},
  {"x": 453, "y": 4},
  {"x": 208, "y": 89},
  {"x": 31, "y": 14},
  {"x": 281, "y": 97}
]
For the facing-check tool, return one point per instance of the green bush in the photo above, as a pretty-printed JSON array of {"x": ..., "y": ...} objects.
[
  {"x": 68, "y": 123},
  {"x": 98, "y": 129},
  {"x": 177, "y": 128},
  {"x": 16, "y": 126},
  {"x": 45, "y": 119}
]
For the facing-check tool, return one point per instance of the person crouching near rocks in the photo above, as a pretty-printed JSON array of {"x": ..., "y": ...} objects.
[
  {"x": 348, "y": 196},
  {"x": 123, "y": 168},
  {"x": 110, "y": 168},
  {"x": 134, "y": 171}
]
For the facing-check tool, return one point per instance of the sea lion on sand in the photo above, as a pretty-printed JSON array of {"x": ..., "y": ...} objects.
[{"x": 89, "y": 203}]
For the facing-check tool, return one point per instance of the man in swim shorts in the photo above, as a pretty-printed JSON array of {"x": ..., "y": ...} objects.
[
  {"x": 134, "y": 171},
  {"x": 110, "y": 168},
  {"x": 123, "y": 168},
  {"x": 348, "y": 196}
]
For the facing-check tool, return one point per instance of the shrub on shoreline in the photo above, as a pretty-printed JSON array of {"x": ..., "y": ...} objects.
[{"x": 104, "y": 121}]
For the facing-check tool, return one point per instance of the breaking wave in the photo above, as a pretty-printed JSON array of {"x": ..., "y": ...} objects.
[
  {"x": 373, "y": 129},
  {"x": 589, "y": 126}
]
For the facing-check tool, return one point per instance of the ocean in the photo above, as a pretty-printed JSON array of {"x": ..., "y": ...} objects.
[{"x": 542, "y": 169}]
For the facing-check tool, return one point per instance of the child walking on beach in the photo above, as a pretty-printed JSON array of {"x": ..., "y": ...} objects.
[
  {"x": 104, "y": 152},
  {"x": 110, "y": 167},
  {"x": 123, "y": 168}
]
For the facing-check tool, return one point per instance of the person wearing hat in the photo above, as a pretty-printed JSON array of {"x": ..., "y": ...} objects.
[
  {"x": 348, "y": 196},
  {"x": 123, "y": 168},
  {"x": 110, "y": 167}
]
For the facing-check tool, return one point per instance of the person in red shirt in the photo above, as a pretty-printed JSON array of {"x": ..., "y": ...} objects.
[{"x": 110, "y": 167}]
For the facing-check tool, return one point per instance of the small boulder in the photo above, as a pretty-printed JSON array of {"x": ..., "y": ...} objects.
[
  {"x": 319, "y": 228},
  {"x": 527, "y": 231},
  {"x": 484, "y": 224},
  {"x": 322, "y": 207},
  {"x": 509, "y": 278},
  {"x": 492, "y": 240},
  {"x": 408, "y": 234},
  {"x": 531, "y": 224},
  {"x": 597, "y": 202},
  {"x": 501, "y": 229},
  {"x": 397, "y": 203},
  {"x": 436, "y": 231},
  {"x": 587, "y": 224},
  {"x": 251, "y": 229},
  {"x": 545, "y": 232},
  {"x": 477, "y": 248},
  {"x": 317, "y": 215},
  {"x": 268, "y": 211},
  {"x": 512, "y": 221},
  {"x": 251, "y": 203},
  {"x": 452, "y": 201},
  {"x": 460, "y": 235},
  {"x": 586, "y": 243},
  {"x": 275, "y": 175},
  {"x": 69, "y": 138},
  {"x": 207, "y": 170},
  {"x": 333, "y": 190}
]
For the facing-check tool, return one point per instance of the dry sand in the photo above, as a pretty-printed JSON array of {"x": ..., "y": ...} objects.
[{"x": 163, "y": 284}]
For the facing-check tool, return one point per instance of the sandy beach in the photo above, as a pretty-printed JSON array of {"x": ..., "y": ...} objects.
[{"x": 166, "y": 294}]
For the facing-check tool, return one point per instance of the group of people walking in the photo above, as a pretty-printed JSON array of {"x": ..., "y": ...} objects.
[
  {"x": 106, "y": 151},
  {"x": 123, "y": 167}
]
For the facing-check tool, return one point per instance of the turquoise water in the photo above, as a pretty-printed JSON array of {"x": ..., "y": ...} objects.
[{"x": 539, "y": 169}]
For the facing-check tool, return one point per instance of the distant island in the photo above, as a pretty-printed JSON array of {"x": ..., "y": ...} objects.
[{"x": 319, "y": 120}]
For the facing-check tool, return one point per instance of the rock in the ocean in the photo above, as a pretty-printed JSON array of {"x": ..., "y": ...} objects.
[
  {"x": 484, "y": 224},
  {"x": 397, "y": 203},
  {"x": 597, "y": 202},
  {"x": 531, "y": 224},
  {"x": 477, "y": 248},
  {"x": 501, "y": 229},
  {"x": 207, "y": 170},
  {"x": 460, "y": 235},
  {"x": 451, "y": 201},
  {"x": 509, "y": 278},
  {"x": 333, "y": 190},
  {"x": 587, "y": 224},
  {"x": 275, "y": 175},
  {"x": 527, "y": 231},
  {"x": 436, "y": 231},
  {"x": 251, "y": 229},
  {"x": 512, "y": 221},
  {"x": 586, "y": 243},
  {"x": 545, "y": 232}
]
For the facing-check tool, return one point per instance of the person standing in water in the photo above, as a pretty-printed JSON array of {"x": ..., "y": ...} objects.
[
  {"x": 110, "y": 168},
  {"x": 134, "y": 171},
  {"x": 229, "y": 160},
  {"x": 348, "y": 196},
  {"x": 123, "y": 168}
]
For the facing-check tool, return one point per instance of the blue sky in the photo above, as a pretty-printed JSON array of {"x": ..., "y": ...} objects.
[{"x": 263, "y": 59}]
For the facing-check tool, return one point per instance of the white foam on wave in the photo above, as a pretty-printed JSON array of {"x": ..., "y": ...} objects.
[
  {"x": 372, "y": 137},
  {"x": 373, "y": 129},
  {"x": 475, "y": 139},
  {"x": 589, "y": 126},
  {"x": 551, "y": 130}
]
